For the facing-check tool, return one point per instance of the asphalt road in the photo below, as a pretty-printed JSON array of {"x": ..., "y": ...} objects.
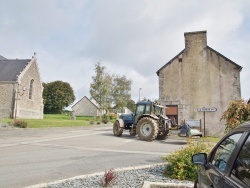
[{"x": 33, "y": 156}]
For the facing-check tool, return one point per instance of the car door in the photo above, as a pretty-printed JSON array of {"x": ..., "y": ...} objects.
[
  {"x": 219, "y": 162},
  {"x": 239, "y": 175}
]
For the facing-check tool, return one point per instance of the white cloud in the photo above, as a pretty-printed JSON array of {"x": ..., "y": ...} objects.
[{"x": 132, "y": 38}]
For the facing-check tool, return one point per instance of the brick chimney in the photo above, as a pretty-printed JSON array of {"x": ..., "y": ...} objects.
[{"x": 195, "y": 40}]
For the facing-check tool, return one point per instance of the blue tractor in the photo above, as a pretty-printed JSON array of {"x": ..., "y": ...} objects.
[{"x": 148, "y": 122}]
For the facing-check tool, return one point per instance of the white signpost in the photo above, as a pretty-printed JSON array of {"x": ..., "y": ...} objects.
[
  {"x": 212, "y": 109},
  {"x": 206, "y": 109}
]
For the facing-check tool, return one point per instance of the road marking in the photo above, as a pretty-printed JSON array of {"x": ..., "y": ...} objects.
[
  {"x": 98, "y": 149},
  {"x": 48, "y": 139},
  {"x": 127, "y": 141}
]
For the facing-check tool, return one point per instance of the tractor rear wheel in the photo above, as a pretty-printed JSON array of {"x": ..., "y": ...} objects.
[
  {"x": 118, "y": 127},
  {"x": 147, "y": 129}
]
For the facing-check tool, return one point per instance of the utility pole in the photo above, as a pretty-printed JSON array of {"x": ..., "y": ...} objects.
[{"x": 139, "y": 93}]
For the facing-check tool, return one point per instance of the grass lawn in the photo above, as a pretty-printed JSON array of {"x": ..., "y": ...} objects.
[
  {"x": 57, "y": 120},
  {"x": 210, "y": 139}
]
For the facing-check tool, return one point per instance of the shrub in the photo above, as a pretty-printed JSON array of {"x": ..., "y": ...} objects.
[
  {"x": 109, "y": 178},
  {"x": 91, "y": 122},
  {"x": 112, "y": 116},
  {"x": 98, "y": 122},
  {"x": 238, "y": 112},
  {"x": 180, "y": 165},
  {"x": 105, "y": 118},
  {"x": 20, "y": 124}
]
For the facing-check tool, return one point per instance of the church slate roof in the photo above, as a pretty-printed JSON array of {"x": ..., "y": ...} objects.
[{"x": 11, "y": 68}]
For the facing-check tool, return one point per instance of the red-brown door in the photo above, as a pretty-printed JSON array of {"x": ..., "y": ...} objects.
[{"x": 172, "y": 113}]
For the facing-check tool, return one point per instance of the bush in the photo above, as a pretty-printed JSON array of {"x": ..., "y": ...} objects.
[
  {"x": 105, "y": 118},
  {"x": 238, "y": 112},
  {"x": 91, "y": 122},
  {"x": 112, "y": 116},
  {"x": 98, "y": 122},
  {"x": 20, "y": 124},
  {"x": 180, "y": 165}
]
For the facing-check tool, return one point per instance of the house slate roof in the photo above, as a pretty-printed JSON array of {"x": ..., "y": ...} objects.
[
  {"x": 2, "y": 58},
  {"x": 92, "y": 101},
  {"x": 11, "y": 68},
  {"x": 239, "y": 67}
]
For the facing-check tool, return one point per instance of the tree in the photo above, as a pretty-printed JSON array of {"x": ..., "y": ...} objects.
[
  {"x": 57, "y": 95},
  {"x": 131, "y": 105},
  {"x": 238, "y": 112},
  {"x": 121, "y": 91},
  {"x": 109, "y": 90},
  {"x": 100, "y": 88}
]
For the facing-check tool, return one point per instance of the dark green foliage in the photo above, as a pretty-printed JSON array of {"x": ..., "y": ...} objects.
[
  {"x": 57, "y": 95},
  {"x": 180, "y": 165},
  {"x": 238, "y": 112},
  {"x": 20, "y": 124}
]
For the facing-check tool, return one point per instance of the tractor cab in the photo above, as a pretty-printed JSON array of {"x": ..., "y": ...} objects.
[{"x": 142, "y": 108}]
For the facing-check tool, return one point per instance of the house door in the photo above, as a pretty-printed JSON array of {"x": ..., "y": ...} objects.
[{"x": 172, "y": 113}]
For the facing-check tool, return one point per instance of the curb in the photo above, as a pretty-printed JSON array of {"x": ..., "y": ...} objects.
[
  {"x": 147, "y": 184},
  {"x": 42, "y": 185}
]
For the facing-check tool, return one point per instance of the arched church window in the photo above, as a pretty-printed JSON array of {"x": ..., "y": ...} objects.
[{"x": 31, "y": 89}]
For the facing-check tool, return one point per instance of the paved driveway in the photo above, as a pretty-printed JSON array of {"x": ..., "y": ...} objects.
[{"x": 32, "y": 156}]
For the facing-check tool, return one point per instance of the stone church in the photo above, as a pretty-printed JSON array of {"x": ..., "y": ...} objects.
[
  {"x": 198, "y": 83},
  {"x": 20, "y": 88}
]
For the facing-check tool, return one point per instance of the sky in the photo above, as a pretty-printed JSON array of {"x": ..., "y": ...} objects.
[{"x": 134, "y": 38}]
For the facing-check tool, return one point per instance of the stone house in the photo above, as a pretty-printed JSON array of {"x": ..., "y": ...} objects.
[
  {"x": 86, "y": 107},
  {"x": 198, "y": 77},
  {"x": 20, "y": 89}
]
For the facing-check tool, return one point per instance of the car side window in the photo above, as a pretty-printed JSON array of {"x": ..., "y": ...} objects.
[
  {"x": 224, "y": 151},
  {"x": 241, "y": 168}
]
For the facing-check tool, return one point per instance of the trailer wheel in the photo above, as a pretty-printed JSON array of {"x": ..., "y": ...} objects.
[
  {"x": 118, "y": 127},
  {"x": 147, "y": 129}
]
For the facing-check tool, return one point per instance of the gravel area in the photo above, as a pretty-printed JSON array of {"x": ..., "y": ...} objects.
[{"x": 126, "y": 178}]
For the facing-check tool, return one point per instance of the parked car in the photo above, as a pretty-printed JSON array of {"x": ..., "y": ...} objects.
[{"x": 228, "y": 163}]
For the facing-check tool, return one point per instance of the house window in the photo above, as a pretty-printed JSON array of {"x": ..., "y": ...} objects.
[{"x": 31, "y": 89}]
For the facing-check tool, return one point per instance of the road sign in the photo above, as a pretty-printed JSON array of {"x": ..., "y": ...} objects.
[{"x": 206, "y": 109}]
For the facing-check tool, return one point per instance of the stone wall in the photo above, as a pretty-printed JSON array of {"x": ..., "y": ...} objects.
[
  {"x": 200, "y": 77},
  {"x": 30, "y": 105},
  {"x": 6, "y": 99},
  {"x": 85, "y": 108}
]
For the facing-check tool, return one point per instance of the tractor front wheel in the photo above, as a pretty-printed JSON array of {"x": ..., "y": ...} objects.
[
  {"x": 147, "y": 129},
  {"x": 118, "y": 127}
]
